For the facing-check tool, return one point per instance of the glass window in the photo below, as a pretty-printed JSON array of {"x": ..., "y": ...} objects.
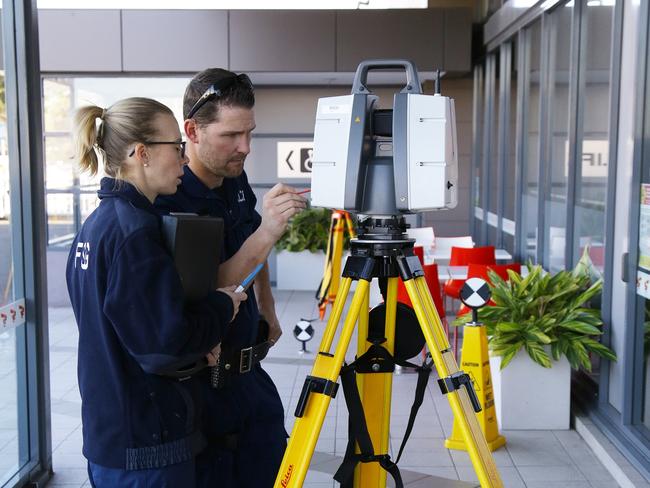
[
  {"x": 494, "y": 127},
  {"x": 6, "y": 259},
  {"x": 13, "y": 454},
  {"x": 591, "y": 171},
  {"x": 530, "y": 143},
  {"x": 555, "y": 205},
  {"x": 57, "y": 100},
  {"x": 477, "y": 152},
  {"x": 59, "y": 182},
  {"x": 592, "y": 166},
  {"x": 71, "y": 195},
  {"x": 508, "y": 221}
]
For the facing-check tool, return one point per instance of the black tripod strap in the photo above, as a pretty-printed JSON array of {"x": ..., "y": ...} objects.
[
  {"x": 423, "y": 378},
  {"x": 358, "y": 434}
]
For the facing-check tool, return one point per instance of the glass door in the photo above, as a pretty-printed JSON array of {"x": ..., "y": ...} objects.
[
  {"x": 25, "y": 446},
  {"x": 14, "y": 434}
]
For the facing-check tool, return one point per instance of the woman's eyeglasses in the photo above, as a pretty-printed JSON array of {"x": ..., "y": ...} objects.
[
  {"x": 181, "y": 146},
  {"x": 216, "y": 90}
]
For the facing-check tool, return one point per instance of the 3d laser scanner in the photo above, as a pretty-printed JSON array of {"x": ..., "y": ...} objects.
[{"x": 382, "y": 162}]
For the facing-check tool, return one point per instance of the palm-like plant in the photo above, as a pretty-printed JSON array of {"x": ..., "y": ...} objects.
[
  {"x": 542, "y": 312},
  {"x": 307, "y": 231}
]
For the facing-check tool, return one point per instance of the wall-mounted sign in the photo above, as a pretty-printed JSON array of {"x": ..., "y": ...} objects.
[
  {"x": 294, "y": 159},
  {"x": 12, "y": 315},
  {"x": 595, "y": 158}
]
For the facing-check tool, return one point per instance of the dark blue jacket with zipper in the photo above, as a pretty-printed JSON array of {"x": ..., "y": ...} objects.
[{"x": 133, "y": 325}]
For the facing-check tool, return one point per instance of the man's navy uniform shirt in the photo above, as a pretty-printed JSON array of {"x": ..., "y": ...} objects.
[
  {"x": 128, "y": 302},
  {"x": 234, "y": 201},
  {"x": 251, "y": 405}
]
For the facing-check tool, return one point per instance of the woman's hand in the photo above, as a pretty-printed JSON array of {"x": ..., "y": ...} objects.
[{"x": 236, "y": 297}]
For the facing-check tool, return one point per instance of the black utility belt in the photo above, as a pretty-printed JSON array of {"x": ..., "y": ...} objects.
[{"x": 240, "y": 361}]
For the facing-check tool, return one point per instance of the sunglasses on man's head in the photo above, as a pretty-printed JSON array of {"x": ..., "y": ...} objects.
[
  {"x": 216, "y": 90},
  {"x": 181, "y": 145}
]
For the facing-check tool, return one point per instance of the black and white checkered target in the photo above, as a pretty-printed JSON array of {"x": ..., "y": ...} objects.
[
  {"x": 303, "y": 331},
  {"x": 475, "y": 293}
]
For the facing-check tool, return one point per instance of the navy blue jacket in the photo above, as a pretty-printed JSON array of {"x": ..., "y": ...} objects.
[
  {"x": 128, "y": 302},
  {"x": 235, "y": 203}
]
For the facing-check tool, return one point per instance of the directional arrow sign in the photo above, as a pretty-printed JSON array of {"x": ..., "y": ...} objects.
[
  {"x": 288, "y": 160},
  {"x": 294, "y": 159}
]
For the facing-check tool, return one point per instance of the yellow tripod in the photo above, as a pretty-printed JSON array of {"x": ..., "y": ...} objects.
[
  {"x": 390, "y": 258},
  {"x": 329, "y": 286}
]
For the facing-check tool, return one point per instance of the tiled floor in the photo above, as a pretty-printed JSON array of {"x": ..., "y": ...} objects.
[{"x": 532, "y": 459}]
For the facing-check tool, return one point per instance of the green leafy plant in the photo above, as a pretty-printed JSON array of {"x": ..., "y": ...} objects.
[
  {"x": 541, "y": 313},
  {"x": 308, "y": 230}
]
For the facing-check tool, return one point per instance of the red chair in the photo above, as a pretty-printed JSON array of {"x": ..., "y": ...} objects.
[
  {"x": 419, "y": 252},
  {"x": 597, "y": 255},
  {"x": 463, "y": 256}
]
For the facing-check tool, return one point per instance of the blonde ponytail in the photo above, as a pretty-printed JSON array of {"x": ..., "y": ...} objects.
[
  {"x": 87, "y": 137},
  {"x": 124, "y": 123}
]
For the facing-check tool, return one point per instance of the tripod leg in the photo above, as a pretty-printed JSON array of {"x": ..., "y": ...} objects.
[
  {"x": 459, "y": 399},
  {"x": 319, "y": 388},
  {"x": 322, "y": 295},
  {"x": 349, "y": 225},
  {"x": 337, "y": 248},
  {"x": 375, "y": 391},
  {"x": 335, "y": 316}
]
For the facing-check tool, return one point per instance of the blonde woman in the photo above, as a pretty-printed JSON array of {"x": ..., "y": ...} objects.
[{"x": 139, "y": 427}]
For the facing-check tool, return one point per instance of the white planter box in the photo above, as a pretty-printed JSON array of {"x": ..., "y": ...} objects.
[
  {"x": 530, "y": 397},
  {"x": 299, "y": 270}
]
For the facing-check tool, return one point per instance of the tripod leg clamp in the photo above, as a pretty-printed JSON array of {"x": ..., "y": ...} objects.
[
  {"x": 455, "y": 381},
  {"x": 314, "y": 384},
  {"x": 409, "y": 267},
  {"x": 359, "y": 268}
]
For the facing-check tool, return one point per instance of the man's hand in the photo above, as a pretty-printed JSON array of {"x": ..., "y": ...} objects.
[
  {"x": 278, "y": 205},
  {"x": 236, "y": 298},
  {"x": 213, "y": 355}
]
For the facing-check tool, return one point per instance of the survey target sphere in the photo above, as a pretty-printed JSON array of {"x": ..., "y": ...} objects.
[
  {"x": 475, "y": 293},
  {"x": 303, "y": 331}
]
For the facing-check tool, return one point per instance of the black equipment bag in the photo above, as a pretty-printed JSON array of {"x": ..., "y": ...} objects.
[{"x": 195, "y": 242}]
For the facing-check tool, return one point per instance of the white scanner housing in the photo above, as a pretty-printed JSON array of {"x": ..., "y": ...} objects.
[
  {"x": 413, "y": 169},
  {"x": 432, "y": 153}
]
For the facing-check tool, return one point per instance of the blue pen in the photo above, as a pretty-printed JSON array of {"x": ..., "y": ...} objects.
[{"x": 249, "y": 278}]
